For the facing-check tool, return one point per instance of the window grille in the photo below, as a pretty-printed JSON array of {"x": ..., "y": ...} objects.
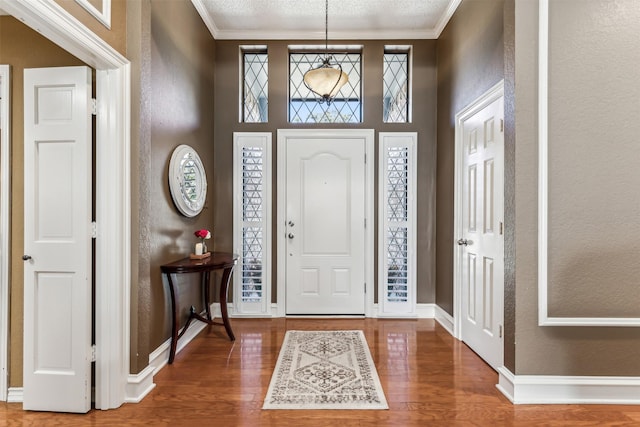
[
  {"x": 255, "y": 87},
  {"x": 395, "y": 87},
  {"x": 304, "y": 107}
]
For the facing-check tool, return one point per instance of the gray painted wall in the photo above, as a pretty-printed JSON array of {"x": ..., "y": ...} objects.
[
  {"x": 172, "y": 55},
  {"x": 593, "y": 182},
  {"x": 470, "y": 55}
]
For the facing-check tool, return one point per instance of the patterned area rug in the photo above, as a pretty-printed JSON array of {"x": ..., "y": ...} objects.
[{"x": 325, "y": 370}]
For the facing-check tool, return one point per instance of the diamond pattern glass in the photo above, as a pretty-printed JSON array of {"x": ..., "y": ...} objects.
[
  {"x": 256, "y": 88},
  {"x": 252, "y": 239},
  {"x": 304, "y": 107},
  {"x": 397, "y": 215},
  {"x": 397, "y": 271},
  {"x": 397, "y": 183},
  {"x": 251, "y": 264},
  {"x": 252, "y": 168},
  {"x": 395, "y": 87}
]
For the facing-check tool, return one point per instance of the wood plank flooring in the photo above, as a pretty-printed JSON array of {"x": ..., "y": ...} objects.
[{"x": 429, "y": 379}]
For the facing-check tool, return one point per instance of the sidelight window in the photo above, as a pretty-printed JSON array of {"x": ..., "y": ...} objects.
[
  {"x": 397, "y": 198},
  {"x": 252, "y": 222}
]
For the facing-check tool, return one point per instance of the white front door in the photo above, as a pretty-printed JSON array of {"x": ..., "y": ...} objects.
[
  {"x": 325, "y": 216},
  {"x": 57, "y": 239},
  {"x": 481, "y": 242}
]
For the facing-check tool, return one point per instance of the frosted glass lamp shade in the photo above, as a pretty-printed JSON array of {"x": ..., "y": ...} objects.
[{"x": 325, "y": 81}]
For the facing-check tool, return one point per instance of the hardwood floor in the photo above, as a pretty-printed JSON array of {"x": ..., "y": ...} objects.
[{"x": 429, "y": 379}]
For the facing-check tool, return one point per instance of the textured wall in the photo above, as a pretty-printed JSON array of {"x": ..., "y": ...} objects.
[
  {"x": 173, "y": 53},
  {"x": 593, "y": 101},
  {"x": 470, "y": 55},
  {"x": 424, "y": 99},
  {"x": 116, "y": 35},
  {"x": 21, "y": 47},
  {"x": 594, "y": 198}
]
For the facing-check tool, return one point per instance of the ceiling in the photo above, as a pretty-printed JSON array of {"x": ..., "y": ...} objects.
[{"x": 305, "y": 19}]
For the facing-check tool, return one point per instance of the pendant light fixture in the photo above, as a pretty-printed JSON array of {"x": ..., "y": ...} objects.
[{"x": 328, "y": 78}]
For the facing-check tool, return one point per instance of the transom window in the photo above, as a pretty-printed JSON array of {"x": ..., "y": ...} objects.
[
  {"x": 395, "y": 85},
  {"x": 304, "y": 107},
  {"x": 255, "y": 88}
]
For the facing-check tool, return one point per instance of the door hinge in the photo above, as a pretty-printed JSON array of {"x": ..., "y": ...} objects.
[
  {"x": 93, "y": 353},
  {"x": 365, "y": 288},
  {"x": 501, "y": 228},
  {"x": 365, "y": 158},
  {"x": 501, "y": 125},
  {"x": 94, "y": 230},
  {"x": 365, "y": 223},
  {"x": 500, "y": 331},
  {"x": 94, "y": 106}
]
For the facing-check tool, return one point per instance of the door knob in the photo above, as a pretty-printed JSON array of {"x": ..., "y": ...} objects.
[
  {"x": 291, "y": 236},
  {"x": 26, "y": 257},
  {"x": 463, "y": 242}
]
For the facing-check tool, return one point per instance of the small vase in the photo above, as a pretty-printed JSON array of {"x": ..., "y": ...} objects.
[{"x": 204, "y": 248}]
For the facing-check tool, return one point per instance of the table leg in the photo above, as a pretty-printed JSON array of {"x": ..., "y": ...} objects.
[
  {"x": 224, "y": 287},
  {"x": 205, "y": 288},
  {"x": 174, "y": 319}
]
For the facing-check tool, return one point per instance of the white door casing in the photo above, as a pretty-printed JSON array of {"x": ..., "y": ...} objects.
[
  {"x": 325, "y": 198},
  {"x": 57, "y": 239},
  {"x": 480, "y": 228},
  {"x": 5, "y": 181}
]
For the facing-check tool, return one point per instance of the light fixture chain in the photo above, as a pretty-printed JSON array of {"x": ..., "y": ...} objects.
[{"x": 326, "y": 26}]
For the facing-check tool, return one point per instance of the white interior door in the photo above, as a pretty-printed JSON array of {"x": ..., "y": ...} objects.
[
  {"x": 325, "y": 215},
  {"x": 481, "y": 242},
  {"x": 57, "y": 239}
]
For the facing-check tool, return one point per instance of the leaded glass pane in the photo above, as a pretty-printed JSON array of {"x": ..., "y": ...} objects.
[
  {"x": 397, "y": 183},
  {"x": 252, "y": 238},
  {"x": 304, "y": 107},
  {"x": 395, "y": 88},
  {"x": 397, "y": 259},
  {"x": 252, "y": 183},
  {"x": 251, "y": 264},
  {"x": 256, "y": 88}
]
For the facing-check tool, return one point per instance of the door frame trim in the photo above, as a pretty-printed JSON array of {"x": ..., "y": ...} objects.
[
  {"x": 5, "y": 225},
  {"x": 113, "y": 182},
  {"x": 491, "y": 95},
  {"x": 283, "y": 135}
]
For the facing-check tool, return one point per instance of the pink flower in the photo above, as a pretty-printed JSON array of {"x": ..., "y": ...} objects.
[{"x": 203, "y": 234}]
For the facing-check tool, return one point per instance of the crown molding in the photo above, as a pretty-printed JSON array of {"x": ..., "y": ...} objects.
[{"x": 426, "y": 34}]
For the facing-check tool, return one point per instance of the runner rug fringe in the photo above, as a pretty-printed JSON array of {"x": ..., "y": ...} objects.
[{"x": 325, "y": 370}]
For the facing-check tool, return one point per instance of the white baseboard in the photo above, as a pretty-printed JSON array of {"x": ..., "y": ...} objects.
[
  {"x": 423, "y": 311},
  {"x": 445, "y": 319},
  {"x": 15, "y": 395},
  {"x": 139, "y": 385},
  {"x": 272, "y": 314},
  {"x": 426, "y": 311},
  {"x": 552, "y": 389}
]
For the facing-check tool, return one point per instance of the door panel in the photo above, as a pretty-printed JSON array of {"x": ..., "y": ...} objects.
[
  {"x": 325, "y": 214},
  {"x": 57, "y": 222},
  {"x": 482, "y": 250}
]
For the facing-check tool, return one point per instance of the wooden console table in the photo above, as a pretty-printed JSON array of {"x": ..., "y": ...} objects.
[{"x": 217, "y": 261}]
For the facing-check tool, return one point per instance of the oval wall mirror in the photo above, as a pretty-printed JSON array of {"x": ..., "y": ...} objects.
[{"x": 187, "y": 180}]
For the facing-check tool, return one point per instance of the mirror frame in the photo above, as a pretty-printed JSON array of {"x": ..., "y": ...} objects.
[{"x": 187, "y": 206}]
